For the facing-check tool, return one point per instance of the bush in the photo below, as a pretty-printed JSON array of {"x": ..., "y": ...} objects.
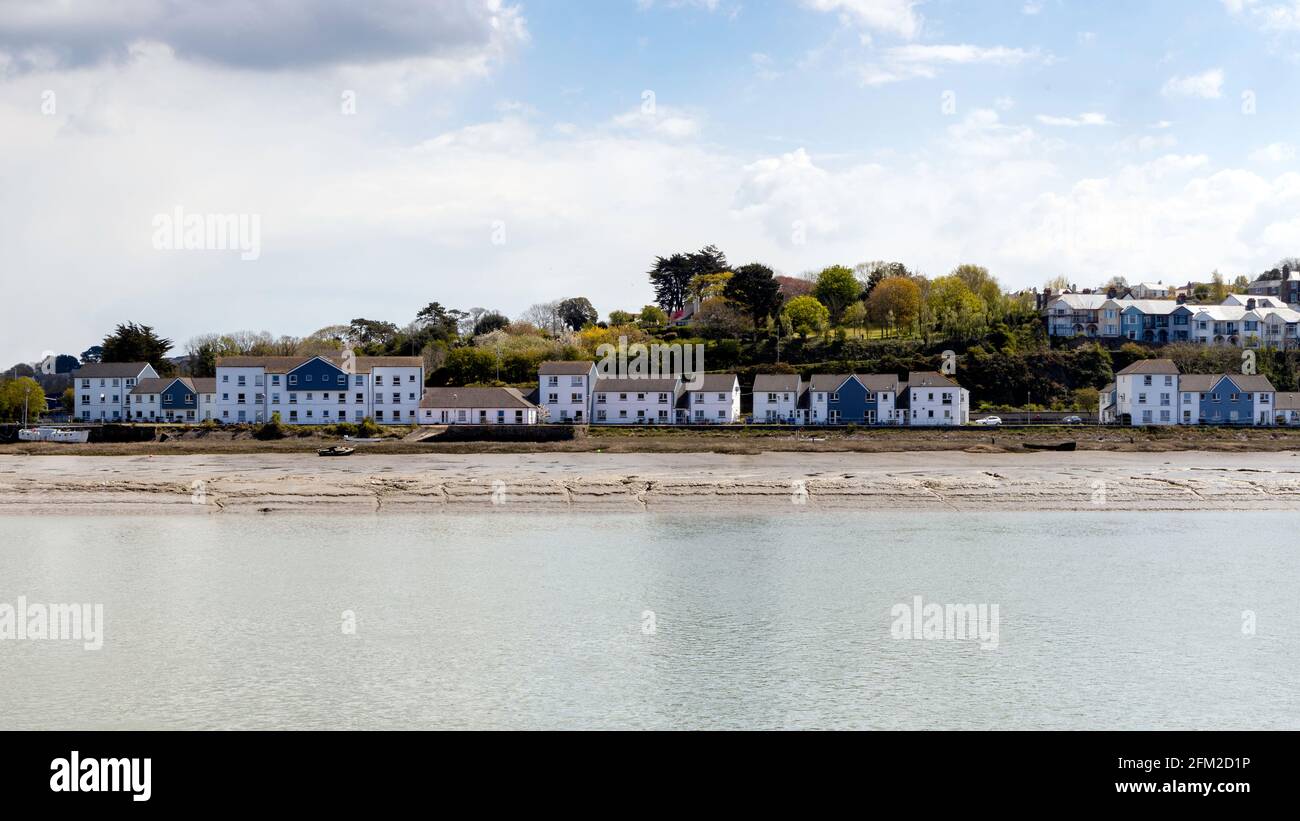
[
  {"x": 367, "y": 429},
  {"x": 274, "y": 429}
]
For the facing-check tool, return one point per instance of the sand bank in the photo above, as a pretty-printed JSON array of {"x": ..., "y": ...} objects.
[{"x": 286, "y": 483}]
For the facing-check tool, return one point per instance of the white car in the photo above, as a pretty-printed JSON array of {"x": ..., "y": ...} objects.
[{"x": 989, "y": 421}]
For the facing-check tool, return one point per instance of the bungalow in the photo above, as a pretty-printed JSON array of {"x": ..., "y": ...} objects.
[
  {"x": 861, "y": 399},
  {"x": 564, "y": 390},
  {"x": 715, "y": 401},
  {"x": 636, "y": 401},
  {"x": 930, "y": 398},
  {"x": 172, "y": 399},
  {"x": 477, "y": 406},
  {"x": 776, "y": 397},
  {"x": 101, "y": 389}
]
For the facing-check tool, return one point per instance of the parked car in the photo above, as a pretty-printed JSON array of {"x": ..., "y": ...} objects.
[
  {"x": 1072, "y": 420},
  {"x": 989, "y": 421}
]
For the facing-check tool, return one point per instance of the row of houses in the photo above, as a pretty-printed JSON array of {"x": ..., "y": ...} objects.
[
  {"x": 1154, "y": 392},
  {"x": 1239, "y": 321},
  {"x": 574, "y": 392}
]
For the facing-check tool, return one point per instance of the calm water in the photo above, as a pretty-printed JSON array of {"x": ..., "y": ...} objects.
[{"x": 536, "y": 621}]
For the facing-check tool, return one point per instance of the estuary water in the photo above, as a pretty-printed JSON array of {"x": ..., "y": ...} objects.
[{"x": 789, "y": 620}]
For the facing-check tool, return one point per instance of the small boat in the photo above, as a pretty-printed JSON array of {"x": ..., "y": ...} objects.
[
  {"x": 1063, "y": 446},
  {"x": 336, "y": 451},
  {"x": 77, "y": 437}
]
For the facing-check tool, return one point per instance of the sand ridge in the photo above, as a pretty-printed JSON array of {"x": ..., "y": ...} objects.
[{"x": 286, "y": 483}]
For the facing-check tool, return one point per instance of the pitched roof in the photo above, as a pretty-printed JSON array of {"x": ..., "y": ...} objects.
[
  {"x": 1197, "y": 382},
  {"x": 284, "y": 364},
  {"x": 777, "y": 382},
  {"x": 1249, "y": 383},
  {"x": 717, "y": 382},
  {"x": 569, "y": 368},
  {"x": 1081, "y": 302},
  {"x": 1153, "y": 366},
  {"x": 473, "y": 398},
  {"x": 1152, "y": 306},
  {"x": 194, "y": 385},
  {"x": 1287, "y": 401},
  {"x": 827, "y": 381},
  {"x": 637, "y": 385},
  {"x": 929, "y": 379},
  {"x": 102, "y": 369}
]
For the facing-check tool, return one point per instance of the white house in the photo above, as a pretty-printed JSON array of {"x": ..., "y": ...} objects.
[
  {"x": 934, "y": 399},
  {"x": 319, "y": 390},
  {"x": 100, "y": 389},
  {"x": 477, "y": 406},
  {"x": 172, "y": 399},
  {"x": 636, "y": 401},
  {"x": 716, "y": 401},
  {"x": 776, "y": 397},
  {"x": 1286, "y": 408},
  {"x": 1147, "y": 392},
  {"x": 1150, "y": 290},
  {"x": 1075, "y": 314},
  {"x": 565, "y": 390}
]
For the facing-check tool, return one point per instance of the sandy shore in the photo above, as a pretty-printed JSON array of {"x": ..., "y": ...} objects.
[{"x": 204, "y": 485}]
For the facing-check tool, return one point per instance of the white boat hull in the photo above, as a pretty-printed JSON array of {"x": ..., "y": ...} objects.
[{"x": 54, "y": 435}]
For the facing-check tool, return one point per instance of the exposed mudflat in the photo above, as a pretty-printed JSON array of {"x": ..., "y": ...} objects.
[{"x": 766, "y": 482}]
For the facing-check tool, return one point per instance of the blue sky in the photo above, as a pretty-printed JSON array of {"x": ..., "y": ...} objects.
[{"x": 504, "y": 153}]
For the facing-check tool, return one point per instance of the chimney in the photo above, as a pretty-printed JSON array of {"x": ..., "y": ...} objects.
[
  {"x": 1111, "y": 293},
  {"x": 1250, "y": 305},
  {"x": 1182, "y": 299}
]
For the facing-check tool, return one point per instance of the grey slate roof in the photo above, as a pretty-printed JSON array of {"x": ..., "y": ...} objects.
[
  {"x": 473, "y": 398},
  {"x": 1151, "y": 366},
  {"x": 569, "y": 368},
  {"x": 99, "y": 370},
  {"x": 721, "y": 382},
  {"x": 637, "y": 385},
  {"x": 929, "y": 379},
  {"x": 777, "y": 383}
]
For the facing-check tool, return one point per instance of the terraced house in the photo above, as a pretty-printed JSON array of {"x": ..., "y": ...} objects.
[
  {"x": 100, "y": 390},
  {"x": 1153, "y": 392},
  {"x": 859, "y": 399},
  {"x": 778, "y": 398},
  {"x": 319, "y": 390},
  {"x": 172, "y": 399}
]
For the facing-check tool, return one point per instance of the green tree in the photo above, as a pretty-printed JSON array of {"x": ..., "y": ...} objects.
[
  {"x": 836, "y": 289},
  {"x": 955, "y": 310},
  {"x": 672, "y": 276},
  {"x": 895, "y": 303},
  {"x": 652, "y": 316},
  {"x": 755, "y": 289},
  {"x": 489, "y": 322},
  {"x": 577, "y": 313},
  {"x": 871, "y": 274},
  {"x": 130, "y": 342},
  {"x": 15, "y": 394},
  {"x": 621, "y": 318},
  {"x": 372, "y": 331},
  {"x": 806, "y": 315}
]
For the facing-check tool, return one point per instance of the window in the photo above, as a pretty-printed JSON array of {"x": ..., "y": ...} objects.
[
  {"x": 243, "y": 380},
  {"x": 600, "y": 399},
  {"x": 379, "y": 381},
  {"x": 241, "y": 400},
  {"x": 1146, "y": 381}
]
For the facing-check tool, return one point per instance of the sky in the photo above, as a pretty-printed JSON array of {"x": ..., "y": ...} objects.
[{"x": 496, "y": 154}]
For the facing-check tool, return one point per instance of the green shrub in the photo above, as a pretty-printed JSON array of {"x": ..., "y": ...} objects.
[{"x": 274, "y": 429}]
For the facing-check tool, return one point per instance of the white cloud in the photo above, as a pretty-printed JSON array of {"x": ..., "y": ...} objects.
[
  {"x": 661, "y": 120},
  {"x": 897, "y": 17},
  {"x": 1032, "y": 7},
  {"x": 1273, "y": 17},
  {"x": 926, "y": 61},
  {"x": 1207, "y": 85},
  {"x": 1274, "y": 152},
  {"x": 1087, "y": 118},
  {"x": 284, "y": 34}
]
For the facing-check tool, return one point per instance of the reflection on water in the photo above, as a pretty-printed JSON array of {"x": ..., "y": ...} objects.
[{"x": 586, "y": 620}]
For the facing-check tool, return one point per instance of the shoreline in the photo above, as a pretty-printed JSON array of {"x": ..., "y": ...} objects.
[{"x": 770, "y": 482}]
